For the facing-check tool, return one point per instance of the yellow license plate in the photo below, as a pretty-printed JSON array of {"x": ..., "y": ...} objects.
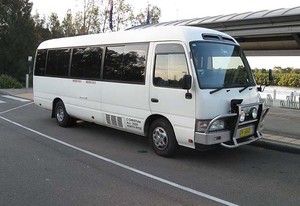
[{"x": 245, "y": 132}]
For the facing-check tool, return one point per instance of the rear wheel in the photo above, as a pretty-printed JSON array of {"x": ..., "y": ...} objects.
[
  {"x": 162, "y": 138},
  {"x": 61, "y": 115}
]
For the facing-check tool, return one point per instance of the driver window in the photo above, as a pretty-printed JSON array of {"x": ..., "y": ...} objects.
[{"x": 170, "y": 65}]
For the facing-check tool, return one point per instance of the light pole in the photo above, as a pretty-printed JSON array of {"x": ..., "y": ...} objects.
[{"x": 27, "y": 75}]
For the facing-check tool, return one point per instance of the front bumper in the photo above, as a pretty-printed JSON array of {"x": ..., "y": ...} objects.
[{"x": 234, "y": 137}]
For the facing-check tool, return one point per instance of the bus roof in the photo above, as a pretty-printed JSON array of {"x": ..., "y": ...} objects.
[{"x": 165, "y": 33}]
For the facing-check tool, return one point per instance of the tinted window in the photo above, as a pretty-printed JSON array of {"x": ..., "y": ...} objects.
[
  {"x": 40, "y": 63},
  {"x": 170, "y": 67},
  {"x": 86, "y": 63},
  {"x": 58, "y": 62},
  {"x": 113, "y": 63},
  {"x": 169, "y": 48},
  {"x": 126, "y": 63},
  {"x": 134, "y": 63}
]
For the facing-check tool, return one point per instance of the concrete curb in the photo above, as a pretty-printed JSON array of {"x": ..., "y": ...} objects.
[
  {"x": 28, "y": 96},
  {"x": 21, "y": 93},
  {"x": 277, "y": 146}
]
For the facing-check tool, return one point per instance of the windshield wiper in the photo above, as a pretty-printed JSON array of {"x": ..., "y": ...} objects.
[
  {"x": 216, "y": 90},
  {"x": 225, "y": 86},
  {"x": 244, "y": 88}
]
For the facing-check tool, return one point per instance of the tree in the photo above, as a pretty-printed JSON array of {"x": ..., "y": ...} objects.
[
  {"x": 141, "y": 17},
  {"x": 41, "y": 31},
  {"x": 123, "y": 15},
  {"x": 93, "y": 23},
  {"x": 17, "y": 39},
  {"x": 68, "y": 26},
  {"x": 21, "y": 33},
  {"x": 78, "y": 24},
  {"x": 155, "y": 14},
  {"x": 54, "y": 26},
  {"x": 89, "y": 21}
]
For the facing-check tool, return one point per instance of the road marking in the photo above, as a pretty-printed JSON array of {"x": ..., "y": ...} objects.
[
  {"x": 1, "y": 102},
  {"x": 159, "y": 179},
  {"x": 16, "y": 98},
  {"x": 16, "y": 108}
]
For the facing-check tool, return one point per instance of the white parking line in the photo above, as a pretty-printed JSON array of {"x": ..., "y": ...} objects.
[
  {"x": 15, "y": 98},
  {"x": 173, "y": 184},
  {"x": 16, "y": 108},
  {"x": 2, "y": 102}
]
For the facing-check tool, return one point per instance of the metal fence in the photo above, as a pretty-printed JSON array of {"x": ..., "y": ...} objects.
[{"x": 291, "y": 102}]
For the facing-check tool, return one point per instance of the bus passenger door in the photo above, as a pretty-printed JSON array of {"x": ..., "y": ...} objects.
[{"x": 167, "y": 98}]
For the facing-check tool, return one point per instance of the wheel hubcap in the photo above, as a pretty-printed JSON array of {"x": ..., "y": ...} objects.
[
  {"x": 60, "y": 114},
  {"x": 160, "y": 138}
]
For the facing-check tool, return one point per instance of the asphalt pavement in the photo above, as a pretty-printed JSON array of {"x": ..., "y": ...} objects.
[
  {"x": 44, "y": 164},
  {"x": 281, "y": 131}
]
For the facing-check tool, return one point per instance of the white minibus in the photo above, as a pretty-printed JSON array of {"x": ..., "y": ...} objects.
[{"x": 178, "y": 85}]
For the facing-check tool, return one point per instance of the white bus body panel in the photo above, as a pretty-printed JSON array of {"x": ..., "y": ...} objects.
[
  {"x": 127, "y": 103},
  {"x": 81, "y": 97},
  {"x": 212, "y": 105},
  {"x": 127, "y": 106},
  {"x": 173, "y": 105}
]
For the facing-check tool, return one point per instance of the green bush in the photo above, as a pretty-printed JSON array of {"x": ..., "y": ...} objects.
[
  {"x": 7, "y": 82},
  {"x": 291, "y": 79}
]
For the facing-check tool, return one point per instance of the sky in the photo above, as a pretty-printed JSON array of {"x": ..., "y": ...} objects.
[{"x": 186, "y": 9}]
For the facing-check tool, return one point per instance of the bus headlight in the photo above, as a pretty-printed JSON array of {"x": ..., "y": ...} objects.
[
  {"x": 253, "y": 112},
  {"x": 201, "y": 126},
  {"x": 242, "y": 116}
]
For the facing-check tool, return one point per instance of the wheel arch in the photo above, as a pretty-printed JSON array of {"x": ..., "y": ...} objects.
[
  {"x": 53, "y": 106},
  {"x": 151, "y": 119}
]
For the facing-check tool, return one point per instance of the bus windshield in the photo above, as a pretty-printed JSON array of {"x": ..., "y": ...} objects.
[{"x": 220, "y": 65}]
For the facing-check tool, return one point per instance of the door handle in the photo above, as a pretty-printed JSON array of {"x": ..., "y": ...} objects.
[{"x": 154, "y": 100}]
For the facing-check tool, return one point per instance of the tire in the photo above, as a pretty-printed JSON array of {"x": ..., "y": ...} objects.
[
  {"x": 162, "y": 138},
  {"x": 61, "y": 115}
]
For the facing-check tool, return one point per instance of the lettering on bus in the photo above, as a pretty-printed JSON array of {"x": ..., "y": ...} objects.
[
  {"x": 134, "y": 124},
  {"x": 76, "y": 81},
  {"x": 90, "y": 82}
]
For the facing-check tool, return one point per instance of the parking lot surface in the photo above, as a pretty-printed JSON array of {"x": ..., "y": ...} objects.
[{"x": 88, "y": 164}]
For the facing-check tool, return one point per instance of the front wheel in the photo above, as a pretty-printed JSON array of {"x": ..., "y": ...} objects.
[
  {"x": 162, "y": 138},
  {"x": 61, "y": 115}
]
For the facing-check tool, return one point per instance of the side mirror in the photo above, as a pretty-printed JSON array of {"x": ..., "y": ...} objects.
[{"x": 187, "y": 82}]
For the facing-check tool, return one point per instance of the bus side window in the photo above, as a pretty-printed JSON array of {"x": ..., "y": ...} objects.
[
  {"x": 58, "y": 62},
  {"x": 134, "y": 63},
  {"x": 126, "y": 63},
  {"x": 170, "y": 66},
  {"x": 86, "y": 62},
  {"x": 40, "y": 63},
  {"x": 113, "y": 63}
]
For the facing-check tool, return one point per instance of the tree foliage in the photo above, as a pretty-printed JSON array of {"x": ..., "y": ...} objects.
[
  {"x": 21, "y": 32},
  {"x": 95, "y": 19},
  {"x": 55, "y": 26},
  {"x": 68, "y": 27},
  {"x": 141, "y": 17},
  {"x": 282, "y": 76},
  {"x": 17, "y": 40},
  {"x": 41, "y": 29}
]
